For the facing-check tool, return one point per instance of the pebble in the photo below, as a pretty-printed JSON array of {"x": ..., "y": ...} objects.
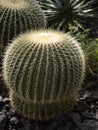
[
  {"x": 3, "y": 120},
  {"x": 76, "y": 117},
  {"x": 61, "y": 128},
  {"x": 3, "y": 112},
  {"x": 6, "y": 100},
  {"x": 53, "y": 124},
  {"x": 14, "y": 121},
  {"x": 11, "y": 113},
  {"x": 4, "y": 94},
  {"x": 86, "y": 114},
  {"x": 7, "y": 107},
  {"x": 27, "y": 126},
  {"x": 89, "y": 125}
]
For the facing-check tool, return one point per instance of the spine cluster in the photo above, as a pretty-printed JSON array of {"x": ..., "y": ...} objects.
[{"x": 17, "y": 16}]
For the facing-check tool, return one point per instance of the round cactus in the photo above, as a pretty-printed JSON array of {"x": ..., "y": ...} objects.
[
  {"x": 43, "y": 71},
  {"x": 17, "y": 16}
]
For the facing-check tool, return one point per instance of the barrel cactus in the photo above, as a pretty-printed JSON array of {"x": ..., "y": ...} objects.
[
  {"x": 17, "y": 16},
  {"x": 43, "y": 70}
]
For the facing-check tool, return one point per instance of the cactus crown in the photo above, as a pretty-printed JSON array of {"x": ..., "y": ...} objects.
[
  {"x": 43, "y": 69},
  {"x": 14, "y": 4},
  {"x": 44, "y": 37}
]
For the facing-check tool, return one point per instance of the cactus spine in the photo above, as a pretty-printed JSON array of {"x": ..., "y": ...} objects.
[
  {"x": 43, "y": 70},
  {"x": 18, "y": 16}
]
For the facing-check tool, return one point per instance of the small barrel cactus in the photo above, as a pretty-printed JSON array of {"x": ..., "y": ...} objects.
[
  {"x": 43, "y": 71},
  {"x": 17, "y": 16}
]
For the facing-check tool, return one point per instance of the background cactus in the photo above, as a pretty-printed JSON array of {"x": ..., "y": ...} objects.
[
  {"x": 43, "y": 71},
  {"x": 61, "y": 13},
  {"x": 17, "y": 16}
]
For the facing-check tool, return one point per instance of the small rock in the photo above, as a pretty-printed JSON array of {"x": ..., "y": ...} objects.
[
  {"x": 53, "y": 124},
  {"x": 69, "y": 126},
  {"x": 89, "y": 125},
  {"x": 7, "y": 107},
  {"x": 3, "y": 112},
  {"x": 11, "y": 113},
  {"x": 10, "y": 128},
  {"x": 3, "y": 119},
  {"x": 6, "y": 100},
  {"x": 82, "y": 105},
  {"x": 14, "y": 121},
  {"x": 86, "y": 114},
  {"x": 94, "y": 95},
  {"x": 24, "y": 122},
  {"x": 1, "y": 107},
  {"x": 61, "y": 127},
  {"x": 36, "y": 128},
  {"x": 76, "y": 118},
  {"x": 27, "y": 126},
  {"x": 4, "y": 94}
]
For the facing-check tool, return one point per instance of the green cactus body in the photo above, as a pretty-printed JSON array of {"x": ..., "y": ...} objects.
[
  {"x": 18, "y": 16},
  {"x": 43, "y": 71}
]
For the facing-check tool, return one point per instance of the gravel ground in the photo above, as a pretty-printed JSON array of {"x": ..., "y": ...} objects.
[{"x": 83, "y": 117}]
